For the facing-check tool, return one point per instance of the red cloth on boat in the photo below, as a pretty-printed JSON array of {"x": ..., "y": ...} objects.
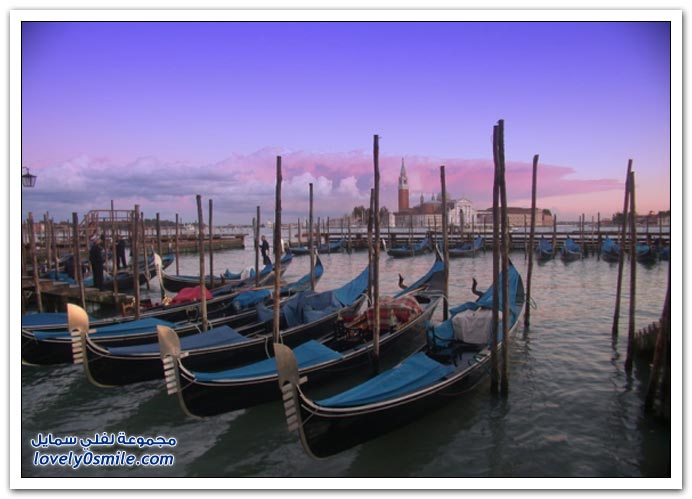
[
  {"x": 190, "y": 294},
  {"x": 394, "y": 312}
]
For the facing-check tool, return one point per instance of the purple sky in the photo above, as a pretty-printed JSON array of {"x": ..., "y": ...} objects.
[{"x": 155, "y": 113}]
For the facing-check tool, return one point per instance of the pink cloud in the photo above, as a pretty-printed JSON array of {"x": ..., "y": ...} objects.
[{"x": 239, "y": 183}]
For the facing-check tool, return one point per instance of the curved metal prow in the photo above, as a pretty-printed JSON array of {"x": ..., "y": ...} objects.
[
  {"x": 158, "y": 264},
  {"x": 78, "y": 324},
  {"x": 289, "y": 379},
  {"x": 169, "y": 346}
]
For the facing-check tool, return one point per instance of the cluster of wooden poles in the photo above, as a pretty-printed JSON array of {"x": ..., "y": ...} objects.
[{"x": 659, "y": 381}]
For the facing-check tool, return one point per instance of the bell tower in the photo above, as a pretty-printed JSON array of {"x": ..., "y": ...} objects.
[{"x": 403, "y": 188}]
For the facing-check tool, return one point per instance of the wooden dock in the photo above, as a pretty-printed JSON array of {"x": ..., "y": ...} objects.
[{"x": 56, "y": 295}]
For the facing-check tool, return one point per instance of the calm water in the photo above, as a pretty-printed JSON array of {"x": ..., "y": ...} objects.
[{"x": 572, "y": 410}]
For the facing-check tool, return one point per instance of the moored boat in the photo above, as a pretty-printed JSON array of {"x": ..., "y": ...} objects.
[{"x": 454, "y": 360}]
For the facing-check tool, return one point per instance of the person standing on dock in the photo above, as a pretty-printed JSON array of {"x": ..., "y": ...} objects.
[
  {"x": 121, "y": 262},
  {"x": 96, "y": 259},
  {"x": 264, "y": 247}
]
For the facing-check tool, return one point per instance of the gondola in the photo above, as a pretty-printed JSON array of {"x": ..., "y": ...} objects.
[
  {"x": 570, "y": 251},
  {"x": 226, "y": 280},
  {"x": 217, "y": 306},
  {"x": 424, "y": 246},
  {"x": 544, "y": 250},
  {"x": 455, "y": 359},
  {"x": 610, "y": 250},
  {"x": 646, "y": 254},
  {"x": 344, "y": 350},
  {"x": 46, "y": 347},
  {"x": 322, "y": 248},
  {"x": 468, "y": 249},
  {"x": 221, "y": 346}
]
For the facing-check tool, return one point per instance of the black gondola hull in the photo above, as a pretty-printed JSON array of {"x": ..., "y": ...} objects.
[{"x": 210, "y": 399}]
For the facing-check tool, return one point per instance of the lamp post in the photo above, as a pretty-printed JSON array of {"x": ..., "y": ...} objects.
[{"x": 28, "y": 180}]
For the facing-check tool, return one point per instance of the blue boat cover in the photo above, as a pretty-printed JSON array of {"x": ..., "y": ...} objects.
[
  {"x": 438, "y": 266},
  {"x": 416, "y": 372},
  {"x": 220, "y": 336},
  {"x": 571, "y": 246},
  {"x": 308, "y": 306},
  {"x": 416, "y": 247},
  {"x": 349, "y": 292},
  {"x": 308, "y": 354},
  {"x": 545, "y": 246},
  {"x": 643, "y": 249},
  {"x": 610, "y": 246},
  {"x": 122, "y": 329},
  {"x": 45, "y": 319},
  {"x": 441, "y": 337}
]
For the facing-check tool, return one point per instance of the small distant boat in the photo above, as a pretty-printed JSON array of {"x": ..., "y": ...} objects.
[
  {"x": 610, "y": 250},
  {"x": 228, "y": 279},
  {"x": 571, "y": 251},
  {"x": 322, "y": 248},
  {"x": 468, "y": 249},
  {"x": 455, "y": 359},
  {"x": 544, "y": 250},
  {"x": 646, "y": 254},
  {"x": 425, "y": 246}
]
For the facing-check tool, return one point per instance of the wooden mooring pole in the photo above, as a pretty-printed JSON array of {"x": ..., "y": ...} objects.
[
  {"x": 494, "y": 368},
  {"x": 621, "y": 261},
  {"x": 532, "y": 235},
  {"x": 277, "y": 255},
  {"x": 445, "y": 244},
  {"x": 504, "y": 378},
  {"x": 211, "y": 245},
  {"x": 200, "y": 245},
  {"x": 661, "y": 351},
  {"x": 177, "y": 245},
  {"x": 256, "y": 226},
  {"x": 633, "y": 275},
  {"x": 135, "y": 263},
  {"x": 376, "y": 255},
  {"x": 79, "y": 277},
  {"x": 34, "y": 261},
  {"x": 311, "y": 245}
]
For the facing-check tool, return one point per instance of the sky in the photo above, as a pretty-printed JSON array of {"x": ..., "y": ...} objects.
[{"x": 154, "y": 113}]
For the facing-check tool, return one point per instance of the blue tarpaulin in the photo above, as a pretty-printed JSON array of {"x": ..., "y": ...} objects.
[
  {"x": 414, "y": 373},
  {"x": 308, "y": 354},
  {"x": 223, "y": 335}
]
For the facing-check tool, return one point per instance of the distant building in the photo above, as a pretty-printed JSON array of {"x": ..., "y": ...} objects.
[
  {"x": 517, "y": 216},
  {"x": 429, "y": 213}
]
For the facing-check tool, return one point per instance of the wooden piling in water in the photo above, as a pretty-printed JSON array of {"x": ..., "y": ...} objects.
[
  {"x": 311, "y": 246},
  {"x": 177, "y": 245},
  {"x": 256, "y": 228},
  {"x": 135, "y": 256},
  {"x": 376, "y": 255},
  {"x": 158, "y": 234},
  {"x": 661, "y": 352},
  {"x": 277, "y": 255},
  {"x": 211, "y": 245},
  {"x": 115, "y": 258},
  {"x": 504, "y": 385},
  {"x": 494, "y": 368},
  {"x": 200, "y": 243},
  {"x": 34, "y": 261},
  {"x": 445, "y": 244},
  {"x": 532, "y": 236},
  {"x": 370, "y": 249},
  {"x": 621, "y": 260},
  {"x": 633, "y": 275}
]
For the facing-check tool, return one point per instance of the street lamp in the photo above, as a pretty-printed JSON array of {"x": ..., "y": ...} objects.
[{"x": 28, "y": 180}]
